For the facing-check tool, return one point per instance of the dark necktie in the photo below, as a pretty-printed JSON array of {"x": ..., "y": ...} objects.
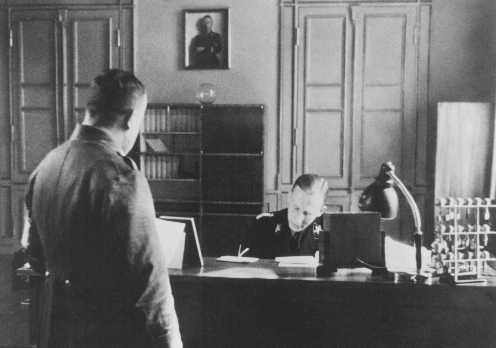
[{"x": 294, "y": 242}]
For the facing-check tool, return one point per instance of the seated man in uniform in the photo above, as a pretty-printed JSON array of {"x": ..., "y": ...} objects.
[{"x": 295, "y": 230}]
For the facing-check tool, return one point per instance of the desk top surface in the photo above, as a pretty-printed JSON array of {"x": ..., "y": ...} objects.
[{"x": 269, "y": 270}]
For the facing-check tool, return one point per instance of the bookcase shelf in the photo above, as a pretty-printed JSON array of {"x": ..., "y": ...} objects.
[
  {"x": 154, "y": 153},
  {"x": 175, "y": 179},
  {"x": 206, "y": 162},
  {"x": 172, "y": 133},
  {"x": 232, "y": 154}
]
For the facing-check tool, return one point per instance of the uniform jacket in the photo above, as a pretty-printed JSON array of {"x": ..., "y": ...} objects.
[
  {"x": 271, "y": 237},
  {"x": 93, "y": 230},
  {"x": 212, "y": 44}
]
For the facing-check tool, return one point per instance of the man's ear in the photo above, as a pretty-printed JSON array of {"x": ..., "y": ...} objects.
[
  {"x": 125, "y": 118},
  {"x": 323, "y": 210}
]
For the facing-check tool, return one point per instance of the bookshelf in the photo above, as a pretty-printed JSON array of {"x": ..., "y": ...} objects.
[{"x": 206, "y": 162}]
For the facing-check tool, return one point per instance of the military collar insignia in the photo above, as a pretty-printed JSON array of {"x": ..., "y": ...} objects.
[
  {"x": 316, "y": 229},
  {"x": 259, "y": 216}
]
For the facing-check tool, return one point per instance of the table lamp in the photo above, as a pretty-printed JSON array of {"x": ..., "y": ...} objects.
[{"x": 381, "y": 197}]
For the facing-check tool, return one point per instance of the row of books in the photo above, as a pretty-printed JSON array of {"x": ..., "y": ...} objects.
[
  {"x": 161, "y": 167},
  {"x": 172, "y": 120},
  {"x": 165, "y": 144}
]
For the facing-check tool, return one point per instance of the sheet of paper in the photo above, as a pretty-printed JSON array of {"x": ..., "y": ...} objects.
[
  {"x": 298, "y": 265},
  {"x": 172, "y": 238},
  {"x": 157, "y": 145},
  {"x": 237, "y": 259},
  {"x": 353, "y": 271},
  {"x": 297, "y": 261},
  {"x": 400, "y": 257}
]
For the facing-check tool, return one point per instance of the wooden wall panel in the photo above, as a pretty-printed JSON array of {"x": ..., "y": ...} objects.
[
  {"x": 6, "y": 230},
  {"x": 91, "y": 49},
  {"x": 287, "y": 100},
  {"x": 34, "y": 94},
  {"x": 18, "y": 194},
  {"x": 4, "y": 98},
  {"x": 384, "y": 91},
  {"x": 323, "y": 112},
  {"x": 323, "y": 151},
  {"x": 381, "y": 141}
]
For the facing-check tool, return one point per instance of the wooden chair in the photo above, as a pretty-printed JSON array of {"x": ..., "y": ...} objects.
[{"x": 40, "y": 305}]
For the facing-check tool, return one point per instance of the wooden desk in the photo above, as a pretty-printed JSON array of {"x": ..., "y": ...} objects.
[{"x": 262, "y": 305}]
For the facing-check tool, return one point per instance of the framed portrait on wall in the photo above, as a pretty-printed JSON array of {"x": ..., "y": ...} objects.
[{"x": 206, "y": 39}]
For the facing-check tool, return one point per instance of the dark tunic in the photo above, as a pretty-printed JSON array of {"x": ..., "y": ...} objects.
[
  {"x": 93, "y": 230},
  {"x": 212, "y": 44},
  {"x": 271, "y": 237}
]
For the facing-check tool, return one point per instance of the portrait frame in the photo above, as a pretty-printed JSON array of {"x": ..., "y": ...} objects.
[{"x": 206, "y": 40}]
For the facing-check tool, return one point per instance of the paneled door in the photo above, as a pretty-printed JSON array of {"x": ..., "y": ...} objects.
[
  {"x": 385, "y": 100},
  {"x": 94, "y": 40},
  {"x": 354, "y": 95},
  {"x": 373, "y": 114},
  {"x": 35, "y": 71},
  {"x": 54, "y": 53},
  {"x": 324, "y": 91},
  {"x": 385, "y": 91}
]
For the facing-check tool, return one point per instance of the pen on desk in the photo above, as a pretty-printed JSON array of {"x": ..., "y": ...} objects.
[
  {"x": 243, "y": 252},
  {"x": 239, "y": 249}
]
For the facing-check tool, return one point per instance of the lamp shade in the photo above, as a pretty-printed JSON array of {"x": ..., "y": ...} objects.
[
  {"x": 206, "y": 93},
  {"x": 380, "y": 196}
]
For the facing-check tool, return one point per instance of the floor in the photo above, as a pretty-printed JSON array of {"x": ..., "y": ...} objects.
[{"x": 13, "y": 309}]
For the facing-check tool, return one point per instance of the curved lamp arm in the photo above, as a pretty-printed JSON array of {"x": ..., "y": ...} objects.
[
  {"x": 411, "y": 202},
  {"x": 416, "y": 220}
]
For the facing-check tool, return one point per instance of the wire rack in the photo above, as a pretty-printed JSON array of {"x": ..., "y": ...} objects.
[{"x": 463, "y": 231}]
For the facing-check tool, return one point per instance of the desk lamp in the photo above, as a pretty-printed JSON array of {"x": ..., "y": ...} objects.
[{"x": 381, "y": 197}]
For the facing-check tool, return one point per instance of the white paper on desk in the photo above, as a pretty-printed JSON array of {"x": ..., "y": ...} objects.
[
  {"x": 172, "y": 238},
  {"x": 353, "y": 271},
  {"x": 237, "y": 259},
  {"x": 298, "y": 265},
  {"x": 296, "y": 261},
  {"x": 400, "y": 257},
  {"x": 302, "y": 260}
]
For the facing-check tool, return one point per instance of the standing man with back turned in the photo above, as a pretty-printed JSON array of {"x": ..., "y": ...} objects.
[{"x": 93, "y": 230}]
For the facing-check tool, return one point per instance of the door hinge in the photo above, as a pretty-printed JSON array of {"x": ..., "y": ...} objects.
[
  {"x": 296, "y": 36},
  {"x": 416, "y": 35},
  {"x": 62, "y": 16},
  {"x": 350, "y": 15},
  {"x": 293, "y": 137},
  {"x": 11, "y": 38},
  {"x": 118, "y": 37},
  {"x": 12, "y": 133}
]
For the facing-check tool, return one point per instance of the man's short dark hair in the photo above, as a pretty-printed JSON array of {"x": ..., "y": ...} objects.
[
  {"x": 113, "y": 95},
  {"x": 311, "y": 183}
]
